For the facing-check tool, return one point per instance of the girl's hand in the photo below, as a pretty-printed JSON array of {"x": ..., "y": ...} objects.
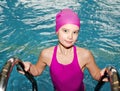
[
  {"x": 26, "y": 67},
  {"x": 104, "y": 73}
]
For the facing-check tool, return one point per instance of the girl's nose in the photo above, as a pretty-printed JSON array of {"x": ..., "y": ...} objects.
[{"x": 70, "y": 36}]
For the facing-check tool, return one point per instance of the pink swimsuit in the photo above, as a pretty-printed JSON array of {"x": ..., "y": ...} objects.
[{"x": 66, "y": 77}]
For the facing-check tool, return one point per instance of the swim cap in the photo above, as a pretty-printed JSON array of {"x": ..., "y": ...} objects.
[{"x": 66, "y": 16}]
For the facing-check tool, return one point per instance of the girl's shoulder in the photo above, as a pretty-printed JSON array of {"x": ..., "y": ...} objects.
[
  {"x": 46, "y": 55},
  {"x": 83, "y": 51},
  {"x": 80, "y": 49},
  {"x": 47, "y": 51}
]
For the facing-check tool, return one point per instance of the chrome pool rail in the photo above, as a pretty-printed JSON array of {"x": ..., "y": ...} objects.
[
  {"x": 7, "y": 69},
  {"x": 5, "y": 73},
  {"x": 114, "y": 78}
]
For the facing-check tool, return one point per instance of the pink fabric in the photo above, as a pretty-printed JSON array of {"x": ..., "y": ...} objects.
[
  {"x": 66, "y": 16},
  {"x": 66, "y": 77}
]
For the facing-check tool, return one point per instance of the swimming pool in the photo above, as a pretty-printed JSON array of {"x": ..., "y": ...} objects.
[{"x": 28, "y": 26}]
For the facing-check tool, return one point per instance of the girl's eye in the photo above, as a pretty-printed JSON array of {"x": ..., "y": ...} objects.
[
  {"x": 75, "y": 32},
  {"x": 65, "y": 30}
]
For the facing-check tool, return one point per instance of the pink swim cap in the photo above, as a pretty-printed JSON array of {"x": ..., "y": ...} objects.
[{"x": 66, "y": 16}]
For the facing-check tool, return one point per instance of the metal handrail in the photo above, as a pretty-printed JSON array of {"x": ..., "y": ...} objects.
[
  {"x": 113, "y": 77},
  {"x": 7, "y": 69}
]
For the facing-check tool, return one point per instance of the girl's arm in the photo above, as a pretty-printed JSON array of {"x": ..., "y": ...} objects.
[
  {"x": 38, "y": 68},
  {"x": 92, "y": 67}
]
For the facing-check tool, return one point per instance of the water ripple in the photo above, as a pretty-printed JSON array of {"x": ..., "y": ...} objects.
[{"x": 28, "y": 26}]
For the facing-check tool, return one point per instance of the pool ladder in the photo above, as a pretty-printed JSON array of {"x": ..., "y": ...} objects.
[
  {"x": 111, "y": 73},
  {"x": 7, "y": 69}
]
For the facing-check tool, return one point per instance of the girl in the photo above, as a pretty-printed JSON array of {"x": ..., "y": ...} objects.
[{"x": 67, "y": 62}]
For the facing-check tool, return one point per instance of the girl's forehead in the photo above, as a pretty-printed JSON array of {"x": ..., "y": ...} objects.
[{"x": 70, "y": 27}]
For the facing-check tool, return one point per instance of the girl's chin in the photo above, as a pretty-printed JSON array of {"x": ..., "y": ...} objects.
[{"x": 68, "y": 46}]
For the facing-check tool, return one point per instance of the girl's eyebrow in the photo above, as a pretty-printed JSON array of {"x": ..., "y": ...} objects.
[
  {"x": 64, "y": 28},
  {"x": 69, "y": 29}
]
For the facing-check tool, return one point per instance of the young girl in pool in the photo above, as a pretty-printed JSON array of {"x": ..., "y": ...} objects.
[{"x": 67, "y": 62}]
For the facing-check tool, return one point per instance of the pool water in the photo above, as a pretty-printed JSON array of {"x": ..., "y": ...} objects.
[{"x": 28, "y": 26}]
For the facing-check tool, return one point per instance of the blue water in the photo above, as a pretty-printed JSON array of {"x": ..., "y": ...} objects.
[{"x": 28, "y": 26}]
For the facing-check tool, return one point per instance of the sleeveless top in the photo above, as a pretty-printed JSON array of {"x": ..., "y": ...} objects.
[{"x": 66, "y": 77}]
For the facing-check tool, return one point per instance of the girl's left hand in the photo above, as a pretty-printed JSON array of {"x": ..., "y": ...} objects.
[{"x": 103, "y": 73}]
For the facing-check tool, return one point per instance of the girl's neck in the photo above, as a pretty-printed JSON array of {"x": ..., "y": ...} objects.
[{"x": 64, "y": 50}]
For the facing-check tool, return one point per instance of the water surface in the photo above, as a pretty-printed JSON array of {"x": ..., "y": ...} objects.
[{"x": 28, "y": 26}]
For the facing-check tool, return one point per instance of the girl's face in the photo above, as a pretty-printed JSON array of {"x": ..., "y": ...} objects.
[{"x": 67, "y": 35}]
